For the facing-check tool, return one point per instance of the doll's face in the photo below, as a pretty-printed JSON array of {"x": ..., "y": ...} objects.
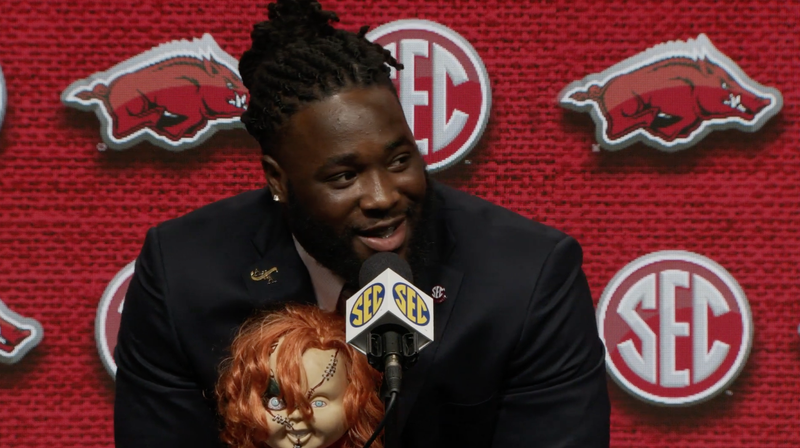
[{"x": 327, "y": 382}]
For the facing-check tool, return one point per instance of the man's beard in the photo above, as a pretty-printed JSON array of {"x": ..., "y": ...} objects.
[{"x": 335, "y": 250}]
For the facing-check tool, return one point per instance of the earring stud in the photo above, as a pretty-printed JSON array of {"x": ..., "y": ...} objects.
[{"x": 276, "y": 198}]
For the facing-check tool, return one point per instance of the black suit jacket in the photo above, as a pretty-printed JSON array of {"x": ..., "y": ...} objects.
[{"x": 516, "y": 360}]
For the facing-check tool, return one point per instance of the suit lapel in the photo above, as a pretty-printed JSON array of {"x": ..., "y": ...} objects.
[
  {"x": 440, "y": 274},
  {"x": 414, "y": 380},
  {"x": 279, "y": 275}
]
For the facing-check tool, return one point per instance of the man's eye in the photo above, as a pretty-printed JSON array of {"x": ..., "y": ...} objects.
[
  {"x": 318, "y": 404},
  {"x": 399, "y": 160},
  {"x": 343, "y": 177},
  {"x": 275, "y": 404}
]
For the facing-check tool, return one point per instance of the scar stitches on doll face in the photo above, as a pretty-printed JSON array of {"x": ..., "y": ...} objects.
[{"x": 327, "y": 425}]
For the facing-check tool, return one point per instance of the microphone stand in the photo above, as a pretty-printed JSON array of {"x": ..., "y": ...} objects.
[{"x": 391, "y": 349}]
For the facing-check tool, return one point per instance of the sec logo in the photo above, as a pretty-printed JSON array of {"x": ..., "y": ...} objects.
[
  {"x": 677, "y": 328},
  {"x": 411, "y": 304},
  {"x": 109, "y": 312},
  {"x": 367, "y": 305},
  {"x": 3, "y": 96},
  {"x": 444, "y": 88}
]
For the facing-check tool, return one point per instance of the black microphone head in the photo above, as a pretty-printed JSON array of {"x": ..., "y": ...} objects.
[{"x": 381, "y": 261}]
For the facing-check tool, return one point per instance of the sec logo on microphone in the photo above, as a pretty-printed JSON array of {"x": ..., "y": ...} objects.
[
  {"x": 411, "y": 304},
  {"x": 677, "y": 328},
  {"x": 367, "y": 305}
]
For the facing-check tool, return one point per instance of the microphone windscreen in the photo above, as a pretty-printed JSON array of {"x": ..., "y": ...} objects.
[{"x": 381, "y": 261}]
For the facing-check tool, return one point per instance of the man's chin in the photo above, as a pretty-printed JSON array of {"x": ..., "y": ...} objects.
[{"x": 344, "y": 252}]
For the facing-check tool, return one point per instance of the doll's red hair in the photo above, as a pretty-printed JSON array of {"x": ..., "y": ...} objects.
[{"x": 245, "y": 376}]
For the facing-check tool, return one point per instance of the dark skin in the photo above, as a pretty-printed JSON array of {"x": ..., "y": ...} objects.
[{"x": 353, "y": 164}]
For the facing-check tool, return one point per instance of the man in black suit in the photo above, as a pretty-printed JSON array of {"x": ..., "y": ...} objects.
[{"x": 516, "y": 360}]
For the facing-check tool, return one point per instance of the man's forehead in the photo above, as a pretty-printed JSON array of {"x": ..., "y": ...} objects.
[{"x": 346, "y": 117}]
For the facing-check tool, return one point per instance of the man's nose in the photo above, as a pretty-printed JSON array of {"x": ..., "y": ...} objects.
[{"x": 380, "y": 193}]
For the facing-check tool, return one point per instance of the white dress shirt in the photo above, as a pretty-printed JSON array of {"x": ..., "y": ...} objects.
[{"x": 327, "y": 285}]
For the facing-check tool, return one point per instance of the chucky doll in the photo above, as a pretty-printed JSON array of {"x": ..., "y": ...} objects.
[{"x": 293, "y": 382}]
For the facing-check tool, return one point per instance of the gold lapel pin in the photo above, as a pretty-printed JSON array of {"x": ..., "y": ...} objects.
[{"x": 258, "y": 274}]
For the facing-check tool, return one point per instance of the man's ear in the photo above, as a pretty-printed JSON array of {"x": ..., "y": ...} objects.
[{"x": 276, "y": 178}]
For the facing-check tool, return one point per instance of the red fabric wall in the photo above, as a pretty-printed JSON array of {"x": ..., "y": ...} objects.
[{"x": 72, "y": 216}]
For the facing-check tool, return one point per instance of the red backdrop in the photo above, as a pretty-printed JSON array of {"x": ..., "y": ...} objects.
[{"x": 72, "y": 216}]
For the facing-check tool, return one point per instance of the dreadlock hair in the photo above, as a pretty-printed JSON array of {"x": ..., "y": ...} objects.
[{"x": 297, "y": 57}]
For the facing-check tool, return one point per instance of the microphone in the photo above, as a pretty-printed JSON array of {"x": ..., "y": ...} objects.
[{"x": 389, "y": 319}]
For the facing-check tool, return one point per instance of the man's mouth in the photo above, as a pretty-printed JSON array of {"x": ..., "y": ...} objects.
[{"x": 384, "y": 237}]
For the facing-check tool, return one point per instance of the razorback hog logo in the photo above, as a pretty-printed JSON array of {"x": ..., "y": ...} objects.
[
  {"x": 18, "y": 335},
  {"x": 671, "y": 96},
  {"x": 174, "y": 96}
]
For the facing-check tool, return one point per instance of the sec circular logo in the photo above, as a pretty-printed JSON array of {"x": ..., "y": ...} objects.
[
  {"x": 109, "y": 312},
  {"x": 677, "y": 328},
  {"x": 3, "y": 97},
  {"x": 443, "y": 88}
]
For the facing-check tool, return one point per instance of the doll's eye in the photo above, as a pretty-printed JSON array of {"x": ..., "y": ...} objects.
[
  {"x": 318, "y": 404},
  {"x": 275, "y": 404}
]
